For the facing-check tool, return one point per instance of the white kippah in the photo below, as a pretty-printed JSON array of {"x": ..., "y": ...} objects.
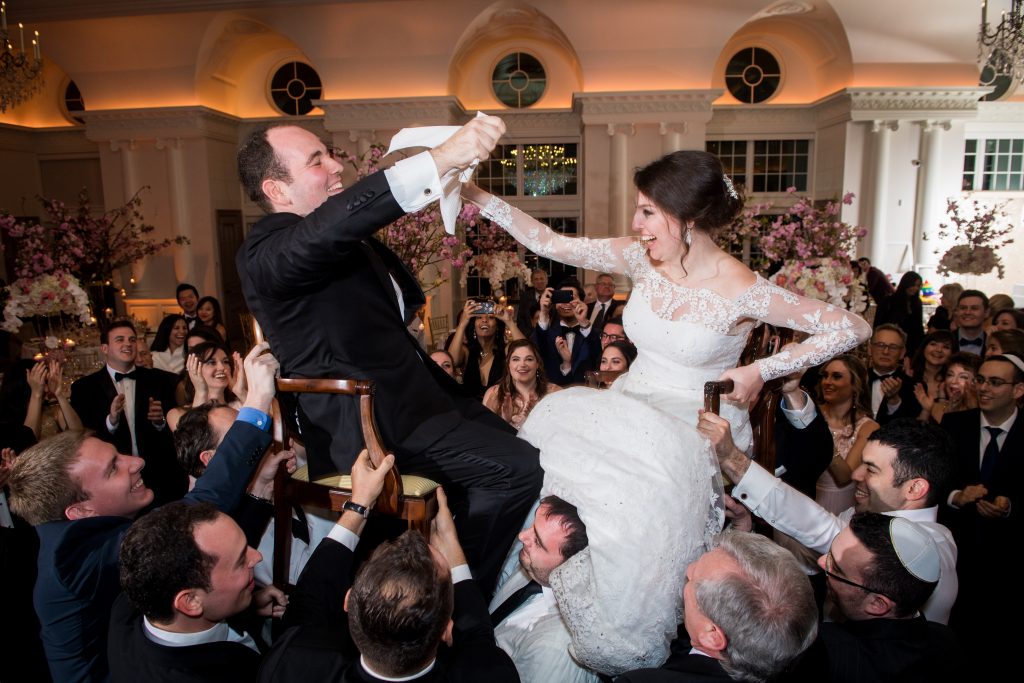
[
  {"x": 1015, "y": 359},
  {"x": 916, "y": 549}
]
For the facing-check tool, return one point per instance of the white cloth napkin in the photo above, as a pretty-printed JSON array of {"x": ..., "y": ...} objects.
[{"x": 451, "y": 183}]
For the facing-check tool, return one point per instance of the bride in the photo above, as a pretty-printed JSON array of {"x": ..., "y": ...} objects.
[{"x": 630, "y": 458}]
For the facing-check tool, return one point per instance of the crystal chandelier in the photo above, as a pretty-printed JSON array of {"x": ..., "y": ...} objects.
[
  {"x": 20, "y": 71},
  {"x": 1002, "y": 48}
]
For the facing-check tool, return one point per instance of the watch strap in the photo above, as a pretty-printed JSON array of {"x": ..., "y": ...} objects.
[{"x": 356, "y": 508}]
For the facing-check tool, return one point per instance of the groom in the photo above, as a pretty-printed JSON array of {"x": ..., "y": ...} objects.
[{"x": 334, "y": 302}]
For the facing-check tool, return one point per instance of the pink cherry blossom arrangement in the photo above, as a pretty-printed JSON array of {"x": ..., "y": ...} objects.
[
  {"x": 50, "y": 294},
  {"x": 420, "y": 241},
  {"x": 85, "y": 245}
]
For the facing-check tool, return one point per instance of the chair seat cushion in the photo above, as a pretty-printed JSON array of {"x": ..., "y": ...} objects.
[{"x": 412, "y": 485}]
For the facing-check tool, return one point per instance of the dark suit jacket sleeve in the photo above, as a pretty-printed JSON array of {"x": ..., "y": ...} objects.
[
  {"x": 319, "y": 597},
  {"x": 909, "y": 407},
  {"x": 225, "y": 479},
  {"x": 283, "y": 261},
  {"x": 90, "y": 401},
  {"x": 474, "y": 650}
]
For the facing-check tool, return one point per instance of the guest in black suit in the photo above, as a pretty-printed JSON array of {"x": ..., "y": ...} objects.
[
  {"x": 81, "y": 495},
  {"x": 405, "y": 620},
  {"x": 983, "y": 511},
  {"x": 127, "y": 406},
  {"x": 565, "y": 337},
  {"x": 878, "y": 284},
  {"x": 605, "y": 306},
  {"x": 188, "y": 299},
  {"x": 970, "y": 314},
  {"x": 881, "y": 570},
  {"x": 186, "y": 570},
  {"x": 748, "y": 612},
  {"x": 324, "y": 291},
  {"x": 530, "y": 298},
  {"x": 891, "y": 391}
]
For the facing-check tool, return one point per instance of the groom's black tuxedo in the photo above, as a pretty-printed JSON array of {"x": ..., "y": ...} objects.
[
  {"x": 91, "y": 397},
  {"x": 323, "y": 290}
]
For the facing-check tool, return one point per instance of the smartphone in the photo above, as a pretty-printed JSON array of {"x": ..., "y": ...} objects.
[
  {"x": 561, "y": 296},
  {"x": 484, "y": 307}
]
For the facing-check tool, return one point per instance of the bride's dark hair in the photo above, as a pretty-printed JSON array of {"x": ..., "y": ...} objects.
[{"x": 690, "y": 186}]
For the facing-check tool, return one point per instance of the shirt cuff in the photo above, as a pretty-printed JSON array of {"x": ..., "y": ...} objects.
[
  {"x": 414, "y": 182},
  {"x": 890, "y": 409},
  {"x": 110, "y": 426},
  {"x": 800, "y": 418},
  {"x": 257, "y": 418},
  {"x": 461, "y": 573},
  {"x": 344, "y": 536},
  {"x": 754, "y": 487},
  {"x": 949, "y": 500}
]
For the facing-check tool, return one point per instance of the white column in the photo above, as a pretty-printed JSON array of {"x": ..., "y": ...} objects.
[
  {"x": 129, "y": 180},
  {"x": 618, "y": 178},
  {"x": 672, "y": 136},
  {"x": 927, "y": 210},
  {"x": 880, "y": 190},
  {"x": 363, "y": 140},
  {"x": 178, "y": 194}
]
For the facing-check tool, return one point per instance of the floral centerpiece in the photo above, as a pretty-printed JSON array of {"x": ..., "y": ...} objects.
[
  {"x": 47, "y": 295},
  {"x": 981, "y": 235},
  {"x": 814, "y": 247}
]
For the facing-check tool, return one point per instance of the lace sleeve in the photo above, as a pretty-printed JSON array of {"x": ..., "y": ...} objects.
[
  {"x": 833, "y": 330},
  {"x": 602, "y": 255}
]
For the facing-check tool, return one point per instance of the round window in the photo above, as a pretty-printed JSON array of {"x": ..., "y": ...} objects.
[
  {"x": 1002, "y": 82},
  {"x": 518, "y": 80},
  {"x": 753, "y": 75},
  {"x": 294, "y": 87}
]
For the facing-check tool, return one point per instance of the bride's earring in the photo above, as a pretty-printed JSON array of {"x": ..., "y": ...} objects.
[{"x": 688, "y": 237}]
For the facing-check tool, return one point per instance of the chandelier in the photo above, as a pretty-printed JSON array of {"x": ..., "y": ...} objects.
[
  {"x": 546, "y": 168},
  {"x": 20, "y": 71},
  {"x": 1002, "y": 48}
]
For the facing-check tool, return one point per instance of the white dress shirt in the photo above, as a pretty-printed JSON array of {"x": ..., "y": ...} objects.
[{"x": 793, "y": 513}]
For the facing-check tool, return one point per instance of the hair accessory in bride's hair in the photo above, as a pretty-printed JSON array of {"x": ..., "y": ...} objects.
[{"x": 729, "y": 187}]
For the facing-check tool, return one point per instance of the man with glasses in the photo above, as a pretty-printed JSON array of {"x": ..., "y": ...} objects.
[
  {"x": 892, "y": 392},
  {"x": 983, "y": 510},
  {"x": 881, "y": 571},
  {"x": 605, "y": 306},
  {"x": 904, "y": 472},
  {"x": 613, "y": 331}
]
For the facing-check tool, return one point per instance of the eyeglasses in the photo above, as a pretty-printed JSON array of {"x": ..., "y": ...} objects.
[
  {"x": 612, "y": 337},
  {"x": 827, "y": 569},
  {"x": 882, "y": 346},
  {"x": 994, "y": 382}
]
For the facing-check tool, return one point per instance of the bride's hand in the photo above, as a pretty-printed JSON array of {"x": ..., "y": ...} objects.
[{"x": 747, "y": 383}]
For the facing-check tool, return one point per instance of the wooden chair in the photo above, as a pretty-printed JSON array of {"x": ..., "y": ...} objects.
[
  {"x": 601, "y": 379},
  {"x": 407, "y": 497},
  {"x": 765, "y": 340}
]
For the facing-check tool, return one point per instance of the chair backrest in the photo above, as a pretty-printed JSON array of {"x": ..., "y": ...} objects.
[
  {"x": 764, "y": 340},
  {"x": 388, "y": 502}
]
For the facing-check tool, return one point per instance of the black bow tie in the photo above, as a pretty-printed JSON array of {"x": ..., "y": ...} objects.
[
  {"x": 971, "y": 342},
  {"x": 874, "y": 376},
  {"x": 118, "y": 376},
  {"x": 566, "y": 330}
]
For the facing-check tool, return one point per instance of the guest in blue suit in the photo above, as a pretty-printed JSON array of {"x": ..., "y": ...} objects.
[{"x": 81, "y": 495}]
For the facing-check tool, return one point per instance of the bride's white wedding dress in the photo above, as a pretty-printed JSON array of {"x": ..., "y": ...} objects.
[{"x": 630, "y": 458}]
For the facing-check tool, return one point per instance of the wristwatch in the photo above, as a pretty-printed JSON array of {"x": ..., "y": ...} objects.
[{"x": 356, "y": 508}]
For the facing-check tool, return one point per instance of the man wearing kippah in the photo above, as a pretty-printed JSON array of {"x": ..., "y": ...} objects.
[{"x": 881, "y": 570}]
